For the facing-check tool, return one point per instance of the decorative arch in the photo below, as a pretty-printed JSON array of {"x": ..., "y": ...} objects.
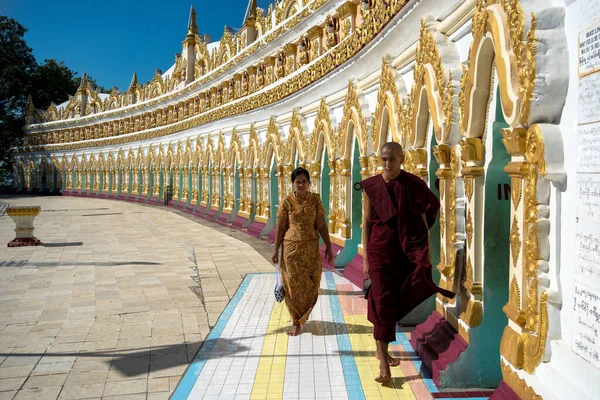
[
  {"x": 157, "y": 86},
  {"x": 206, "y": 174},
  {"x": 235, "y": 156},
  {"x": 273, "y": 144},
  {"x": 389, "y": 106},
  {"x": 356, "y": 114},
  {"x": 298, "y": 130},
  {"x": 196, "y": 168},
  {"x": 87, "y": 162},
  {"x": 252, "y": 175},
  {"x": 290, "y": 8},
  {"x": 186, "y": 160},
  {"x": 434, "y": 92},
  {"x": 513, "y": 53},
  {"x": 226, "y": 48}
]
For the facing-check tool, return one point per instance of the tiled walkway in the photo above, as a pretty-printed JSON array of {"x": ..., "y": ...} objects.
[{"x": 249, "y": 356}]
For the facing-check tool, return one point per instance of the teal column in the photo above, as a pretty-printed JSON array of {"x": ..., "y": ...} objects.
[
  {"x": 350, "y": 249},
  {"x": 479, "y": 365}
]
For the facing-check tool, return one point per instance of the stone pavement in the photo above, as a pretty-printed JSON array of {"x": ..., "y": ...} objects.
[{"x": 116, "y": 302}]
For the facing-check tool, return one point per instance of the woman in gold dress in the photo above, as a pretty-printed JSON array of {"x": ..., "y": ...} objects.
[{"x": 300, "y": 220}]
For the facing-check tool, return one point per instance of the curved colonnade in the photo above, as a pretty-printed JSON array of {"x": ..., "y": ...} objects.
[{"x": 480, "y": 124}]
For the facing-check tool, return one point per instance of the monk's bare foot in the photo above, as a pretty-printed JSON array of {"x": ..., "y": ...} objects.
[
  {"x": 393, "y": 362},
  {"x": 385, "y": 375},
  {"x": 295, "y": 331},
  {"x": 383, "y": 378}
]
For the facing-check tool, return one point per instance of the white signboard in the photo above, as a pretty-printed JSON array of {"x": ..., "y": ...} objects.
[
  {"x": 589, "y": 99},
  {"x": 586, "y": 328},
  {"x": 589, "y": 51},
  {"x": 588, "y": 200},
  {"x": 588, "y": 252},
  {"x": 588, "y": 148}
]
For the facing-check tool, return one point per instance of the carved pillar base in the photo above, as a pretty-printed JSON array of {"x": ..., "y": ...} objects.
[
  {"x": 23, "y": 218},
  {"x": 256, "y": 228},
  {"x": 224, "y": 217},
  {"x": 437, "y": 344},
  {"x": 239, "y": 222}
]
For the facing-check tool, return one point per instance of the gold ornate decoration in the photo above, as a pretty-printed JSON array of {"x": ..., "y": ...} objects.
[
  {"x": 353, "y": 112},
  {"x": 535, "y": 149},
  {"x": 440, "y": 95},
  {"x": 516, "y": 184},
  {"x": 515, "y": 59},
  {"x": 520, "y": 387},
  {"x": 346, "y": 49},
  {"x": 409, "y": 164},
  {"x": 323, "y": 125},
  {"x": 514, "y": 294},
  {"x": 515, "y": 241},
  {"x": 273, "y": 142},
  {"x": 469, "y": 229},
  {"x": 387, "y": 96},
  {"x": 298, "y": 131},
  {"x": 469, "y": 181}
]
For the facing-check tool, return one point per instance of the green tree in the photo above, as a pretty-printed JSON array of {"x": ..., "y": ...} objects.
[
  {"x": 21, "y": 76},
  {"x": 16, "y": 66},
  {"x": 52, "y": 81}
]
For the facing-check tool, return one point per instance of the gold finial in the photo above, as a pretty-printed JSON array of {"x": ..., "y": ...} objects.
[
  {"x": 250, "y": 12},
  {"x": 134, "y": 81},
  {"x": 192, "y": 27}
]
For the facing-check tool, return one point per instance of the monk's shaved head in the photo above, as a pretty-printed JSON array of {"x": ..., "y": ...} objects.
[{"x": 394, "y": 147}]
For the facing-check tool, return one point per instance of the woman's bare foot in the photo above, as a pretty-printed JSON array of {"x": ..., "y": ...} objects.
[
  {"x": 393, "y": 362},
  {"x": 295, "y": 331}
]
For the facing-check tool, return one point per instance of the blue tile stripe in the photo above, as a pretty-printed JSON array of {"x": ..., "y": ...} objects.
[
  {"x": 193, "y": 372},
  {"x": 425, "y": 375},
  {"x": 353, "y": 385}
]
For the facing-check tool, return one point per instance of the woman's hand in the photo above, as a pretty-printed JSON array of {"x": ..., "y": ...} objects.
[
  {"x": 365, "y": 267},
  {"x": 329, "y": 254},
  {"x": 275, "y": 257}
]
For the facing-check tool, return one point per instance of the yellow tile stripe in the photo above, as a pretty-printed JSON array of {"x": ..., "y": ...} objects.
[
  {"x": 270, "y": 374},
  {"x": 363, "y": 347}
]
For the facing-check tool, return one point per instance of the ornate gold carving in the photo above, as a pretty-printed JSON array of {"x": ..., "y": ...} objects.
[
  {"x": 297, "y": 129},
  {"x": 520, "y": 387},
  {"x": 323, "y": 124},
  {"x": 514, "y": 294},
  {"x": 535, "y": 149},
  {"x": 517, "y": 79},
  {"x": 387, "y": 95},
  {"x": 353, "y": 112},
  {"x": 469, "y": 229},
  {"x": 515, "y": 241},
  {"x": 379, "y": 17},
  {"x": 516, "y": 191},
  {"x": 429, "y": 54},
  {"x": 469, "y": 181}
]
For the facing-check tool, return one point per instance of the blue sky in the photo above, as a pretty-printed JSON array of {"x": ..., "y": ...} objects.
[{"x": 110, "y": 39}]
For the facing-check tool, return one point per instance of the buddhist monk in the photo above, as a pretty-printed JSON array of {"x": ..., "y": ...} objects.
[{"x": 399, "y": 209}]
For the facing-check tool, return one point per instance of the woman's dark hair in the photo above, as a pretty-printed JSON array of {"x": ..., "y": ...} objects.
[{"x": 300, "y": 171}]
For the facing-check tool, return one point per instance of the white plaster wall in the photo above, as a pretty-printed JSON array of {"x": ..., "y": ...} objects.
[{"x": 566, "y": 375}]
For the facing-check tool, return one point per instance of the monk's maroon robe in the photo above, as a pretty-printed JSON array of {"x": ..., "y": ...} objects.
[{"x": 397, "y": 250}]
